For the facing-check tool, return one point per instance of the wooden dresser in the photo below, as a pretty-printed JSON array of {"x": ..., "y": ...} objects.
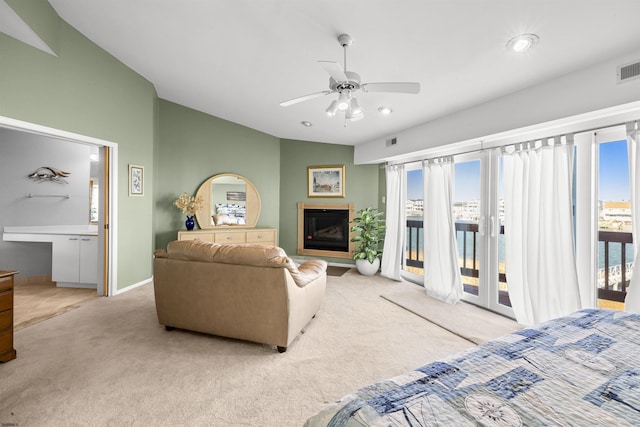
[
  {"x": 267, "y": 236},
  {"x": 7, "y": 352}
]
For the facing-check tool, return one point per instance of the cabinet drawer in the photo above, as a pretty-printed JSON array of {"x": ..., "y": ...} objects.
[
  {"x": 205, "y": 237},
  {"x": 6, "y": 283},
  {"x": 6, "y": 321},
  {"x": 6, "y": 300},
  {"x": 230, "y": 237},
  {"x": 267, "y": 237}
]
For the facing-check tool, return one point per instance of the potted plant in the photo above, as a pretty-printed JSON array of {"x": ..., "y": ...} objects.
[{"x": 369, "y": 233}]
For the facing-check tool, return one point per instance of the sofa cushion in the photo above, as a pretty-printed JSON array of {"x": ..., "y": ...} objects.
[
  {"x": 252, "y": 254},
  {"x": 192, "y": 250}
]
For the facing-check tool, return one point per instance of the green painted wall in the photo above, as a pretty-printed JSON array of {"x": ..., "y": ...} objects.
[
  {"x": 193, "y": 146},
  {"x": 86, "y": 91},
  {"x": 362, "y": 184}
]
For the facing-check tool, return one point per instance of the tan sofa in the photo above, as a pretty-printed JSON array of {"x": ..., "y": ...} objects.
[{"x": 247, "y": 291}]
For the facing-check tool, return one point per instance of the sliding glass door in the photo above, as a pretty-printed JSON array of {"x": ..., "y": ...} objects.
[
  {"x": 479, "y": 218},
  {"x": 414, "y": 236},
  {"x": 478, "y": 215},
  {"x": 604, "y": 242}
]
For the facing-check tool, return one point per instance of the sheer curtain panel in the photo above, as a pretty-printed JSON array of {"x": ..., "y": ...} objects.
[
  {"x": 539, "y": 249},
  {"x": 393, "y": 248},
  {"x": 632, "y": 301},
  {"x": 441, "y": 268}
]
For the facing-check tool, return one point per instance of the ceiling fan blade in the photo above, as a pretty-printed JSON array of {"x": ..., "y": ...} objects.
[
  {"x": 304, "y": 98},
  {"x": 335, "y": 70},
  {"x": 400, "y": 87}
]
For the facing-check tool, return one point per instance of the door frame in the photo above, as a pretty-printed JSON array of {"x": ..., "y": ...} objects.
[{"x": 107, "y": 237}]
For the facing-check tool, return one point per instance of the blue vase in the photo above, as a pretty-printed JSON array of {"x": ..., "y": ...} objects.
[{"x": 189, "y": 223}]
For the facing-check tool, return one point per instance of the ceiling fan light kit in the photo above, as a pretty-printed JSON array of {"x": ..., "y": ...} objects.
[
  {"x": 343, "y": 101},
  {"x": 332, "y": 108},
  {"x": 345, "y": 83}
]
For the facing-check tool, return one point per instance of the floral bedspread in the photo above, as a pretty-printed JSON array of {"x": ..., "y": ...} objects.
[{"x": 579, "y": 370}]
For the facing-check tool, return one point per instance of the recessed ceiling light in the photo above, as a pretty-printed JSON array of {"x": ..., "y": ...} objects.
[
  {"x": 306, "y": 123},
  {"x": 385, "y": 110},
  {"x": 523, "y": 42}
]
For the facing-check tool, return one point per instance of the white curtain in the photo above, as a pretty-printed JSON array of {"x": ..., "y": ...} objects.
[
  {"x": 393, "y": 249},
  {"x": 441, "y": 268},
  {"x": 539, "y": 248},
  {"x": 632, "y": 301}
]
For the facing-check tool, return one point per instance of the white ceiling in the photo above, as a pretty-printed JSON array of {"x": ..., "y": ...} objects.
[{"x": 238, "y": 59}]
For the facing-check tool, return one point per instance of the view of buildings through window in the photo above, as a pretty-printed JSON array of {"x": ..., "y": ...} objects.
[{"x": 615, "y": 252}]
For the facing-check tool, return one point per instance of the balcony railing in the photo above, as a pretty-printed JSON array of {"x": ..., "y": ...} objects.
[{"x": 613, "y": 279}]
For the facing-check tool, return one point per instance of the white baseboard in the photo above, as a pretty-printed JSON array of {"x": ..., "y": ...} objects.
[{"x": 133, "y": 286}]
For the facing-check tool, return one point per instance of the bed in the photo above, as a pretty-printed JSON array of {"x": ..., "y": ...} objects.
[{"x": 578, "y": 370}]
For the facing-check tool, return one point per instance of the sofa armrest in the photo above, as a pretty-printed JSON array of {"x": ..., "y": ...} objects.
[
  {"x": 308, "y": 271},
  {"x": 160, "y": 253}
]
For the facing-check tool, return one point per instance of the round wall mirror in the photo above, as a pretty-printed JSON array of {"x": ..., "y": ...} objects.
[{"x": 230, "y": 200}]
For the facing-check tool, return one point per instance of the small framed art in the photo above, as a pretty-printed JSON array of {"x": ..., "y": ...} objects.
[
  {"x": 325, "y": 181},
  {"x": 136, "y": 180}
]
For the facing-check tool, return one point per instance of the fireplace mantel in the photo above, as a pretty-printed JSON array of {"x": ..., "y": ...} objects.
[{"x": 328, "y": 206}]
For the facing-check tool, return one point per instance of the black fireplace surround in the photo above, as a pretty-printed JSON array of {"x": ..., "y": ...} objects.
[{"x": 326, "y": 229}]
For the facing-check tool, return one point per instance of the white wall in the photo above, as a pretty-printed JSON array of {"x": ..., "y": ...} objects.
[
  {"x": 16, "y": 209},
  {"x": 583, "y": 91}
]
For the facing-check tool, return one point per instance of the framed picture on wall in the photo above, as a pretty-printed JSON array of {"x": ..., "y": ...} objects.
[
  {"x": 325, "y": 181},
  {"x": 136, "y": 180}
]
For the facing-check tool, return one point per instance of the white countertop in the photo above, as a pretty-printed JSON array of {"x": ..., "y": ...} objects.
[{"x": 89, "y": 230}]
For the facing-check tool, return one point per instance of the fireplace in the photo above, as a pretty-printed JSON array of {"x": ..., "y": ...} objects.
[
  {"x": 323, "y": 229},
  {"x": 326, "y": 229}
]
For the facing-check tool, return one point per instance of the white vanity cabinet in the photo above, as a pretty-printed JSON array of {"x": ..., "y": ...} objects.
[
  {"x": 75, "y": 260},
  {"x": 74, "y": 251}
]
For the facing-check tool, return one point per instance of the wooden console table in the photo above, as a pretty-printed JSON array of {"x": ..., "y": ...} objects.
[{"x": 7, "y": 352}]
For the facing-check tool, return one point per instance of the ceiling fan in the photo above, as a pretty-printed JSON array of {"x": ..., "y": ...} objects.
[{"x": 346, "y": 83}]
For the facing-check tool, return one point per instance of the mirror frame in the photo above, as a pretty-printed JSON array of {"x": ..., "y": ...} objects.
[{"x": 253, "y": 204}]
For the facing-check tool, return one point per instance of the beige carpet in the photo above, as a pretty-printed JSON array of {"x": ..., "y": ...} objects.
[
  {"x": 465, "y": 320},
  {"x": 109, "y": 363}
]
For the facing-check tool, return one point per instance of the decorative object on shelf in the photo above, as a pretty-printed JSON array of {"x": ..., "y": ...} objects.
[
  {"x": 325, "y": 181},
  {"x": 369, "y": 228},
  {"x": 189, "y": 223},
  {"x": 47, "y": 173},
  {"x": 136, "y": 180},
  {"x": 189, "y": 205}
]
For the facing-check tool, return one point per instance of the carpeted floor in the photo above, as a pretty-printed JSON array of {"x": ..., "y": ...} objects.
[
  {"x": 465, "y": 320},
  {"x": 109, "y": 362}
]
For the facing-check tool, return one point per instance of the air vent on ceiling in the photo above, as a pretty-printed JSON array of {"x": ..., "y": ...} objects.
[
  {"x": 392, "y": 141},
  {"x": 628, "y": 72}
]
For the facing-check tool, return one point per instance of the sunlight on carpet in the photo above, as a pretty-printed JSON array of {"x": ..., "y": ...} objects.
[{"x": 465, "y": 320}]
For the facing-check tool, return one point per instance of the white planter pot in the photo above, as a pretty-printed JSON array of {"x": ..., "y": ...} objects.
[{"x": 367, "y": 268}]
